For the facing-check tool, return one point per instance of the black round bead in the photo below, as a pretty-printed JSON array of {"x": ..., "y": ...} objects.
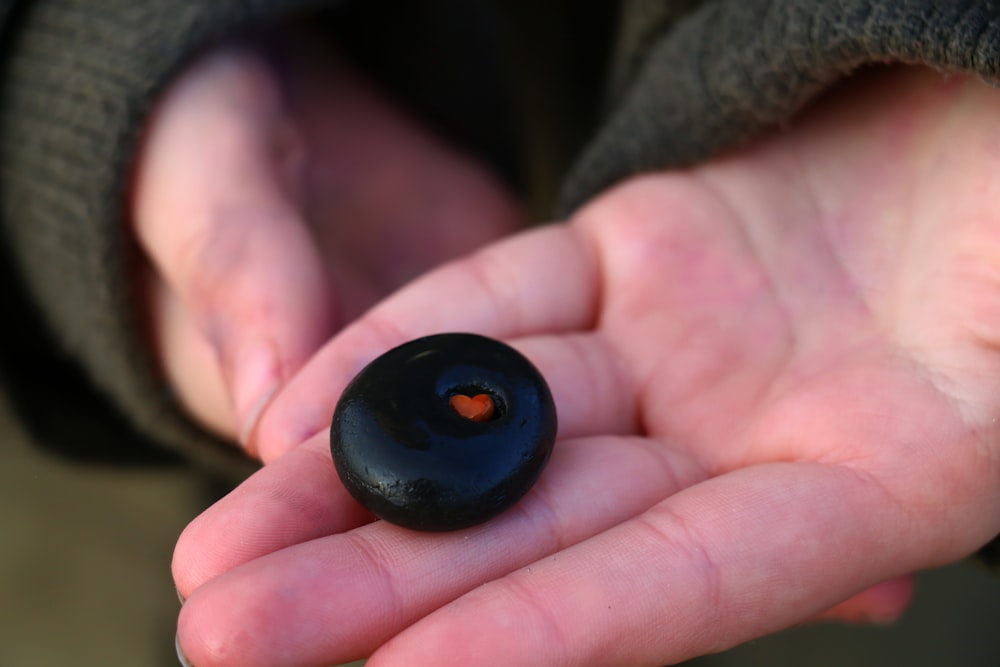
[{"x": 404, "y": 452}]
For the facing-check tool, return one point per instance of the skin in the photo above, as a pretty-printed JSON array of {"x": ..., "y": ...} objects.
[{"x": 776, "y": 377}]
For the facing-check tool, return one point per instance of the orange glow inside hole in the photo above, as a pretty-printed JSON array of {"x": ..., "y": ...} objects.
[{"x": 478, "y": 408}]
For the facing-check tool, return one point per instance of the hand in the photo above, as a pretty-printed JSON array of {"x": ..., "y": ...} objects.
[
  {"x": 777, "y": 381},
  {"x": 275, "y": 209}
]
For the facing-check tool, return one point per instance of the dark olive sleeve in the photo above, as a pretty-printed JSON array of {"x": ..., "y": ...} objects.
[{"x": 691, "y": 83}]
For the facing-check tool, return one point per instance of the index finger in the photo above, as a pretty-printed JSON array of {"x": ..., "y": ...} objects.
[{"x": 541, "y": 282}]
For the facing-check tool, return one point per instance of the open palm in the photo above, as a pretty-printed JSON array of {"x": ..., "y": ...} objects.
[{"x": 777, "y": 380}]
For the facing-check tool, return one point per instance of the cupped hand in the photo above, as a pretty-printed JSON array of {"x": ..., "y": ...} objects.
[
  {"x": 777, "y": 381},
  {"x": 278, "y": 196}
]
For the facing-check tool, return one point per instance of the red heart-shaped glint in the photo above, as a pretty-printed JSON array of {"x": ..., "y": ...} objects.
[{"x": 478, "y": 408}]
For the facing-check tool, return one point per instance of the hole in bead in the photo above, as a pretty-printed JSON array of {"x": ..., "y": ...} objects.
[{"x": 477, "y": 408}]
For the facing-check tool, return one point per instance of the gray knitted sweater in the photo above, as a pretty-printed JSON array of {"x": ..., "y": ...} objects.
[{"x": 661, "y": 82}]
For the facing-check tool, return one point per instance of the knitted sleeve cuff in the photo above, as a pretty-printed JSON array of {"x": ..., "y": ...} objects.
[{"x": 731, "y": 69}]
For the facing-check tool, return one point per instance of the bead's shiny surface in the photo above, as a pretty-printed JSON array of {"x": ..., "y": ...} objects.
[{"x": 405, "y": 451}]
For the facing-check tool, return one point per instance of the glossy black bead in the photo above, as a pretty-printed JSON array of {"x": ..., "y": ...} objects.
[{"x": 405, "y": 454}]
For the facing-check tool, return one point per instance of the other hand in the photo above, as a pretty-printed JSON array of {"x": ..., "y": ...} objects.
[{"x": 278, "y": 196}]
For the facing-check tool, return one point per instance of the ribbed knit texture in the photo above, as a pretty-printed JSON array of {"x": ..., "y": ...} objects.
[{"x": 735, "y": 68}]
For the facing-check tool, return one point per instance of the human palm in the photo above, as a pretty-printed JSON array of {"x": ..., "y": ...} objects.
[{"x": 776, "y": 381}]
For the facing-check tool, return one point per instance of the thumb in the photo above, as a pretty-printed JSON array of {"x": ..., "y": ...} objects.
[{"x": 215, "y": 208}]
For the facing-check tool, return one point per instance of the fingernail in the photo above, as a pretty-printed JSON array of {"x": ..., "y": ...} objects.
[
  {"x": 180, "y": 653},
  {"x": 249, "y": 422},
  {"x": 180, "y": 597},
  {"x": 255, "y": 379}
]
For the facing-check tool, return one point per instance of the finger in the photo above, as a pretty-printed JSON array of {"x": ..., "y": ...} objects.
[
  {"x": 720, "y": 563},
  {"x": 214, "y": 209},
  {"x": 540, "y": 282},
  {"x": 294, "y": 499},
  {"x": 880, "y": 604},
  {"x": 592, "y": 392},
  {"x": 334, "y": 599}
]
